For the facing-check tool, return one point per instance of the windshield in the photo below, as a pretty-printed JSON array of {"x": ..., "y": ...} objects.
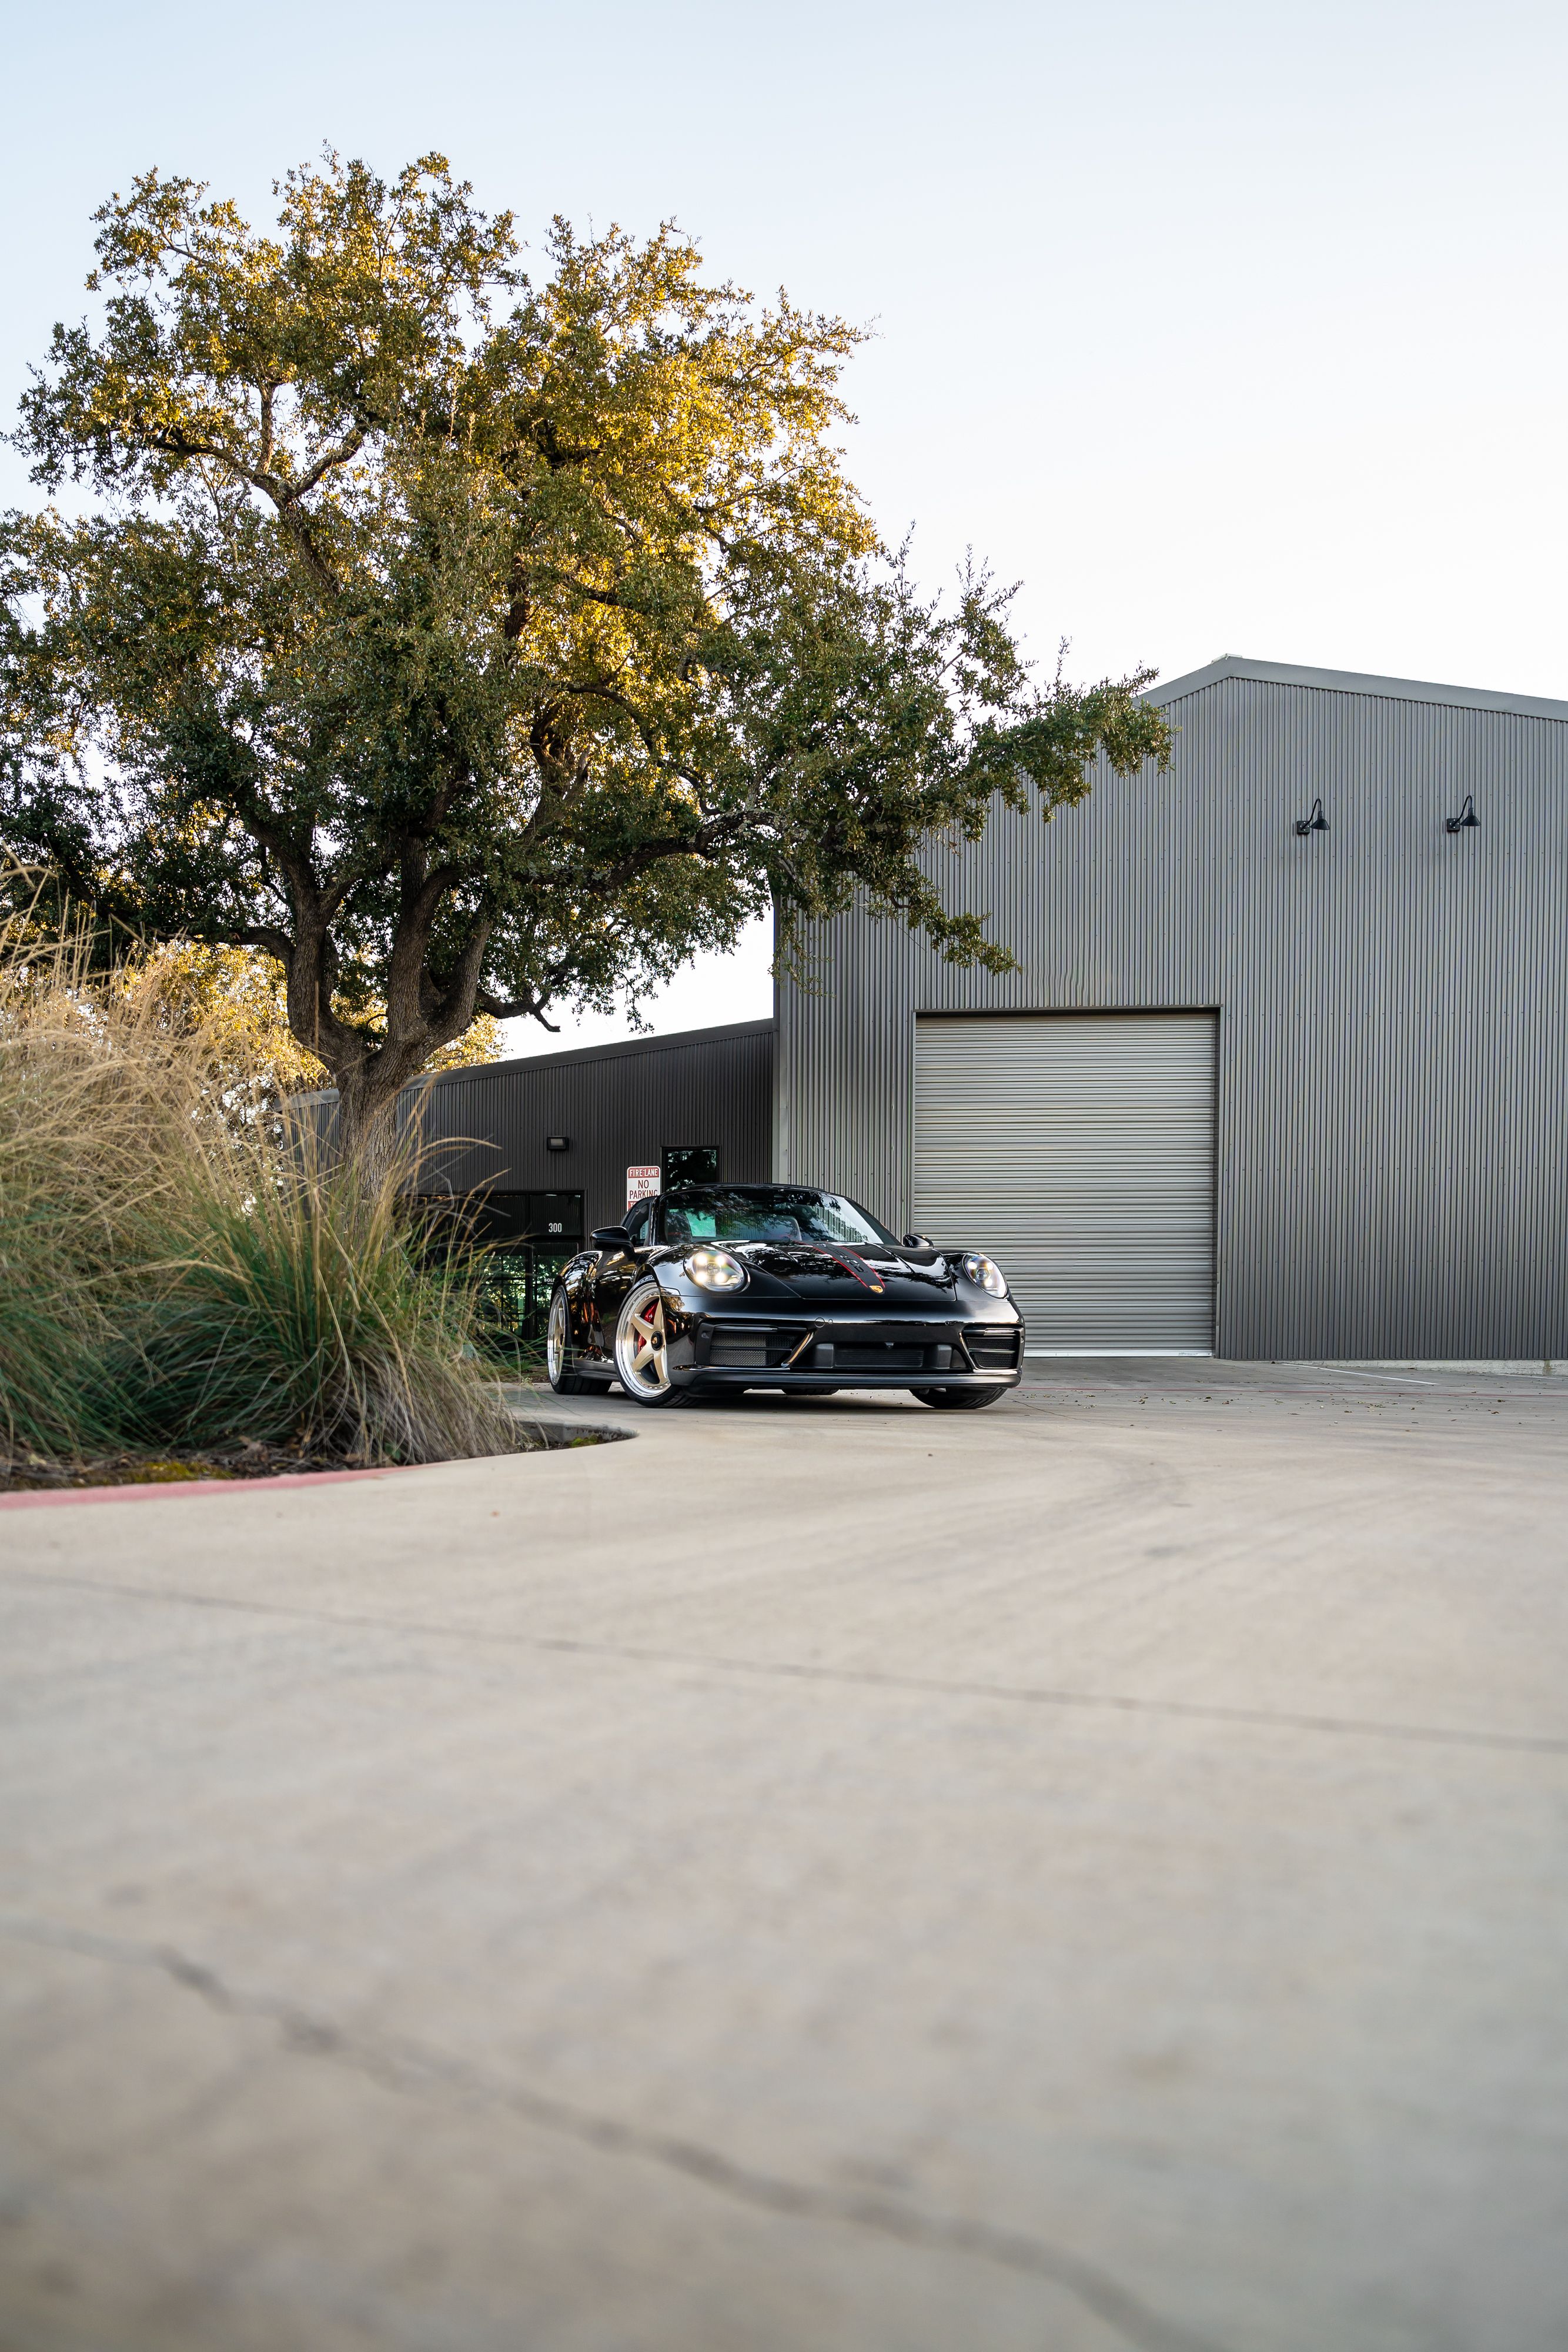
[{"x": 770, "y": 1212}]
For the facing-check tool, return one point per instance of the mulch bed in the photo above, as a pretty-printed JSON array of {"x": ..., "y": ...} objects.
[{"x": 249, "y": 1460}]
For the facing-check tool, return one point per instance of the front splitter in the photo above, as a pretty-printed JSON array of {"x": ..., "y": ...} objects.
[{"x": 729, "y": 1376}]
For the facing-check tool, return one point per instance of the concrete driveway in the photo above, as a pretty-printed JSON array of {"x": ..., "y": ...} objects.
[{"x": 833, "y": 1878}]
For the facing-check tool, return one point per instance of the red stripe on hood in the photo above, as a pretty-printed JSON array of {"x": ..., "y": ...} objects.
[{"x": 859, "y": 1268}]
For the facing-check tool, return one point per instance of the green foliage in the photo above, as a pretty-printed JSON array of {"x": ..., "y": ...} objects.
[
  {"x": 234, "y": 1000},
  {"x": 167, "y": 1282},
  {"x": 300, "y": 1314},
  {"x": 511, "y": 1289},
  {"x": 54, "y": 1396},
  {"x": 85, "y": 1139},
  {"x": 473, "y": 643}
]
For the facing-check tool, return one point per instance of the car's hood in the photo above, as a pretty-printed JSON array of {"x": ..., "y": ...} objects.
[{"x": 849, "y": 1277}]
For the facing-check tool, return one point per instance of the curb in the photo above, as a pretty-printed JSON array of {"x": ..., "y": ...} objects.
[
  {"x": 549, "y": 1436},
  {"x": 555, "y": 1436},
  {"x": 141, "y": 1490}
]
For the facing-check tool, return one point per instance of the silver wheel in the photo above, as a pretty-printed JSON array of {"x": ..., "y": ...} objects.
[
  {"x": 556, "y": 1341},
  {"x": 641, "y": 1350},
  {"x": 559, "y": 1352}
]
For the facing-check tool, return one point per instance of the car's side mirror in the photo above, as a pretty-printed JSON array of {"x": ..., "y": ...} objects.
[
  {"x": 917, "y": 1241},
  {"x": 611, "y": 1237}
]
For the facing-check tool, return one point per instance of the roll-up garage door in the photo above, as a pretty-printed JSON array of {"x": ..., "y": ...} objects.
[{"x": 1078, "y": 1151}]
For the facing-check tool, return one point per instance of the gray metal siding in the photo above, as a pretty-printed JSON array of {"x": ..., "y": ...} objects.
[
  {"x": 1078, "y": 1151},
  {"x": 618, "y": 1106},
  {"x": 1392, "y": 1118}
]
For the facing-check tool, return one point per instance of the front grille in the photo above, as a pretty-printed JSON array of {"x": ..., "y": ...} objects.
[
  {"x": 752, "y": 1346},
  {"x": 737, "y": 1346},
  {"x": 879, "y": 1356},
  {"x": 922, "y": 1347}
]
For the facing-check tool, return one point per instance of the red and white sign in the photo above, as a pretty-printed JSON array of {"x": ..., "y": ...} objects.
[{"x": 640, "y": 1182}]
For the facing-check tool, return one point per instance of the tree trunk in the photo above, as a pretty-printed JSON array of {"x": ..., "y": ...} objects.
[
  {"x": 420, "y": 1019},
  {"x": 371, "y": 1136},
  {"x": 367, "y": 1135}
]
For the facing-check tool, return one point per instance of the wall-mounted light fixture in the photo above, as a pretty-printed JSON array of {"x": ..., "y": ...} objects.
[
  {"x": 557, "y": 1142},
  {"x": 1316, "y": 823},
  {"x": 1466, "y": 818}
]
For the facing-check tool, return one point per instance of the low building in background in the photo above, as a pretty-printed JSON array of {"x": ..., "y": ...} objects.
[
  {"x": 536, "y": 1152},
  {"x": 561, "y": 1142}
]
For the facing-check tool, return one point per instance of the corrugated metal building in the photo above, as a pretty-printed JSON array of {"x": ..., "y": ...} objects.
[
  {"x": 1276, "y": 1091},
  {"x": 1260, "y": 1085},
  {"x": 549, "y": 1139}
]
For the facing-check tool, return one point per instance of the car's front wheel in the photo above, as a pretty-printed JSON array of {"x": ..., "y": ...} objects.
[
  {"x": 642, "y": 1347},
  {"x": 557, "y": 1354},
  {"x": 957, "y": 1400}
]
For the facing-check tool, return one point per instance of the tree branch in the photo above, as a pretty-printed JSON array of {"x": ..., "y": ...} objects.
[
  {"x": 518, "y": 1008},
  {"x": 349, "y": 447},
  {"x": 275, "y": 944}
]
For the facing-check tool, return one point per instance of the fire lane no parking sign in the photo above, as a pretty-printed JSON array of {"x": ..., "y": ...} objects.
[{"x": 640, "y": 1182}]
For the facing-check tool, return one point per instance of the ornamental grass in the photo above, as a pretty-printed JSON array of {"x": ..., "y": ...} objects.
[{"x": 171, "y": 1277}]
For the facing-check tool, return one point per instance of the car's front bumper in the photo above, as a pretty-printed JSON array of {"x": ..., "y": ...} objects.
[{"x": 740, "y": 1350}]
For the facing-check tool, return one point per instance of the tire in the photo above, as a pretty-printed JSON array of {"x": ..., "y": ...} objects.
[
  {"x": 640, "y": 1357},
  {"x": 558, "y": 1355},
  {"x": 957, "y": 1400}
]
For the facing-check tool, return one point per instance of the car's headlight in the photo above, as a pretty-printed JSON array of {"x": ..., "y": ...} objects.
[
  {"x": 984, "y": 1272},
  {"x": 716, "y": 1270}
]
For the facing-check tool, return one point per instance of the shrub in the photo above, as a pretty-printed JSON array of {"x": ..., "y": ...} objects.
[
  {"x": 165, "y": 1280},
  {"x": 304, "y": 1308}
]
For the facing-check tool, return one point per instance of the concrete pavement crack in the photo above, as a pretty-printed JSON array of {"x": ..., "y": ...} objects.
[
  {"x": 409, "y": 2069},
  {"x": 860, "y": 1677}
]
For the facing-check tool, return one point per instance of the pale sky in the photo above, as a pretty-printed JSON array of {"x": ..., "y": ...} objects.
[{"x": 1223, "y": 328}]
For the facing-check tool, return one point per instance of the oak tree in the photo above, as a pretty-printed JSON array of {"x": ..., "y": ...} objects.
[
  {"x": 474, "y": 642},
  {"x": 235, "y": 1001}
]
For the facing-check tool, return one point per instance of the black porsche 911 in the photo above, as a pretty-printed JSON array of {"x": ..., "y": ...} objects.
[{"x": 712, "y": 1288}]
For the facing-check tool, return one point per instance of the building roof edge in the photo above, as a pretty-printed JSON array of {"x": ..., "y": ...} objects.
[
  {"x": 570, "y": 1054},
  {"x": 1350, "y": 681},
  {"x": 567, "y": 1058}
]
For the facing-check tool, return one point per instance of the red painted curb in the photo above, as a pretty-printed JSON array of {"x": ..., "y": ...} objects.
[{"x": 138, "y": 1492}]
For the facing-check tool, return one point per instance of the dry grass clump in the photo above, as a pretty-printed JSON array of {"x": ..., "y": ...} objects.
[
  {"x": 306, "y": 1309},
  {"x": 91, "y": 1139},
  {"x": 165, "y": 1281}
]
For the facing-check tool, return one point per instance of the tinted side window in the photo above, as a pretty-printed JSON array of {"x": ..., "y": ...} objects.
[{"x": 637, "y": 1221}]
